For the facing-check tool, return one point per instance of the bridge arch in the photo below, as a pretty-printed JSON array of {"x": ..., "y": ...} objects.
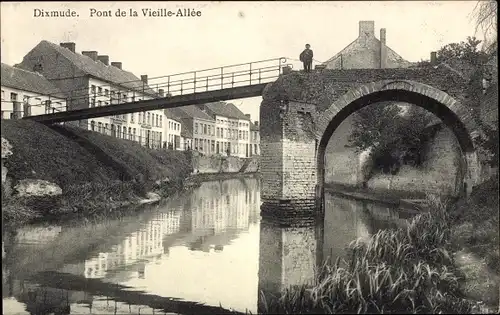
[{"x": 452, "y": 112}]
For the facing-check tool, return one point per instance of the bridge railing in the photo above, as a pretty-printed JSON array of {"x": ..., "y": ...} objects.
[
  {"x": 224, "y": 77},
  {"x": 231, "y": 76}
]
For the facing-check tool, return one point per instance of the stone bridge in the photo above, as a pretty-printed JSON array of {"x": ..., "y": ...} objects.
[{"x": 300, "y": 111}]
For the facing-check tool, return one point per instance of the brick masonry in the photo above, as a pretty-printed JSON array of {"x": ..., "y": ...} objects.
[
  {"x": 300, "y": 111},
  {"x": 288, "y": 257}
]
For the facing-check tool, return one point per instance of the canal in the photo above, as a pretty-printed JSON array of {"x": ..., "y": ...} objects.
[{"x": 189, "y": 255}]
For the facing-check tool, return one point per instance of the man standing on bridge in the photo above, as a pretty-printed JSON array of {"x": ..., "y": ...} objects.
[{"x": 307, "y": 58}]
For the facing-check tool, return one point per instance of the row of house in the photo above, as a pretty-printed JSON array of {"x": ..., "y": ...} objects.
[{"x": 55, "y": 78}]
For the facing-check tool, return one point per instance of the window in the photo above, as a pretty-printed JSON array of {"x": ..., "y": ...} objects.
[
  {"x": 132, "y": 117},
  {"x": 196, "y": 131},
  {"x": 130, "y": 133},
  {"x": 99, "y": 90},
  {"x": 144, "y": 117},
  {"x": 204, "y": 129},
  {"x": 161, "y": 123},
  {"x": 92, "y": 89},
  {"x": 209, "y": 131},
  {"x": 3, "y": 95},
  {"x": 47, "y": 107},
  {"x": 106, "y": 92},
  {"x": 134, "y": 135},
  {"x": 92, "y": 125},
  {"x": 125, "y": 98},
  {"x": 149, "y": 119},
  {"x": 92, "y": 102},
  {"x": 218, "y": 132},
  {"x": 140, "y": 117},
  {"x": 157, "y": 120},
  {"x": 99, "y": 103},
  {"x": 99, "y": 127}
]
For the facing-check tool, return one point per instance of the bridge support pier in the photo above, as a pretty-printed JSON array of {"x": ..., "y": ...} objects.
[
  {"x": 288, "y": 257},
  {"x": 288, "y": 161},
  {"x": 473, "y": 172}
]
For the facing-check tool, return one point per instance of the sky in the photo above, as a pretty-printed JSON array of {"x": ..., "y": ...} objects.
[{"x": 232, "y": 32}]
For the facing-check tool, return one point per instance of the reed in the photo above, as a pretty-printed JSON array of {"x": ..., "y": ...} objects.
[{"x": 407, "y": 270}]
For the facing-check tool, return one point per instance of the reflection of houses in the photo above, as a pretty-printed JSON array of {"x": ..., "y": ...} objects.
[
  {"x": 140, "y": 245},
  {"x": 220, "y": 211}
]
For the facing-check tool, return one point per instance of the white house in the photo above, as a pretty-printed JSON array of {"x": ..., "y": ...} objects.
[
  {"x": 172, "y": 132},
  {"x": 26, "y": 93},
  {"x": 89, "y": 80}
]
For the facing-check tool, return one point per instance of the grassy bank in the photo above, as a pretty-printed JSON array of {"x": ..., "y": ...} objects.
[
  {"x": 97, "y": 173},
  {"x": 475, "y": 239},
  {"x": 411, "y": 269}
]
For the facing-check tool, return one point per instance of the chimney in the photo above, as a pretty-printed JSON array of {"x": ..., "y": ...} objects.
[
  {"x": 104, "y": 59},
  {"x": 383, "y": 49},
  {"x": 382, "y": 35},
  {"x": 91, "y": 54},
  {"x": 433, "y": 58},
  {"x": 366, "y": 28},
  {"x": 248, "y": 116},
  {"x": 116, "y": 64},
  {"x": 70, "y": 46},
  {"x": 144, "y": 78},
  {"x": 161, "y": 92}
]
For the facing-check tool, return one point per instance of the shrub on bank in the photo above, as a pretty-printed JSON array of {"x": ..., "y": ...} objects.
[{"x": 396, "y": 271}]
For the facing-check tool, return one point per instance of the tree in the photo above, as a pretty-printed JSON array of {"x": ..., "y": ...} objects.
[
  {"x": 485, "y": 16},
  {"x": 467, "y": 51},
  {"x": 393, "y": 131}
]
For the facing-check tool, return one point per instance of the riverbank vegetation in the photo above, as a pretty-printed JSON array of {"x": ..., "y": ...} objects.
[
  {"x": 411, "y": 269},
  {"x": 96, "y": 173}
]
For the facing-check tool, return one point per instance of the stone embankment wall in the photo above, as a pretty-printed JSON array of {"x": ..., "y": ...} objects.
[
  {"x": 216, "y": 164},
  {"x": 439, "y": 173}
]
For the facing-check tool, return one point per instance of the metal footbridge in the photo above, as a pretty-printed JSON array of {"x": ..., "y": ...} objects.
[{"x": 176, "y": 90}]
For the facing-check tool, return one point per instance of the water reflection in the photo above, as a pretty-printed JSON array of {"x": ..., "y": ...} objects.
[{"x": 189, "y": 255}]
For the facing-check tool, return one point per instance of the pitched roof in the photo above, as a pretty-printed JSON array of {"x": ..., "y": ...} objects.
[
  {"x": 390, "y": 52},
  {"x": 27, "y": 81},
  {"x": 186, "y": 132},
  {"x": 253, "y": 127},
  {"x": 98, "y": 69},
  {"x": 226, "y": 109},
  {"x": 171, "y": 115},
  {"x": 193, "y": 111}
]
